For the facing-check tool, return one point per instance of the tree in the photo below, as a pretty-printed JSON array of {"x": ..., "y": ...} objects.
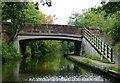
[
  {"x": 46, "y": 19},
  {"x": 111, "y": 7},
  {"x": 112, "y": 27},
  {"x": 89, "y": 17},
  {"x": 112, "y": 22},
  {"x": 20, "y": 13}
]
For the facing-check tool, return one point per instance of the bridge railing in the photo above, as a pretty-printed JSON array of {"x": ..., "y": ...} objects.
[{"x": 100, "y": 46}]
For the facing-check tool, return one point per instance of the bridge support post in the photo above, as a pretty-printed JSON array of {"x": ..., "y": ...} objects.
[{"x": 77, "y": 48}]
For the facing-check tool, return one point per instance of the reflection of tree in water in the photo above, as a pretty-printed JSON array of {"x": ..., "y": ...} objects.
[
  {"x": 46, "y": 65},
  {"x": 10, "y": 70}
]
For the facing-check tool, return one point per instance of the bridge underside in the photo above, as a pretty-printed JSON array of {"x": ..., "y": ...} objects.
[
  {"x": 21, "y": 46},
  {"x": 68, "y": 37}
]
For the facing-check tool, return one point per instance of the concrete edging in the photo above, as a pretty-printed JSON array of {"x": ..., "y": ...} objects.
[{"x": 109, "y": 72}]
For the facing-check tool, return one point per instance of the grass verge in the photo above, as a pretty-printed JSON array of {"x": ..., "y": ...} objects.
[
  {"x": 95, "y": 58},
  {"x": 94, "y": 64},
  {"x": 85, "y": 61}
]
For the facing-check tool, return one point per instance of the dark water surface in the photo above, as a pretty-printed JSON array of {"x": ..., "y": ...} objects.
[{"x": 50, "y": 67}]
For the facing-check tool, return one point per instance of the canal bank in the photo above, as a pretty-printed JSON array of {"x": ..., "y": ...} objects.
[{"x": 110, "y": 69}]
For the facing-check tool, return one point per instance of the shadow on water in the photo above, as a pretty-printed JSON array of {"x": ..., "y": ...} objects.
[{"x": 50, "y": 67}]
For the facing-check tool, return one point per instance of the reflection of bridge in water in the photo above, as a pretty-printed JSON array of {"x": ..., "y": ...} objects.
[{"x": 83, "y": 39}]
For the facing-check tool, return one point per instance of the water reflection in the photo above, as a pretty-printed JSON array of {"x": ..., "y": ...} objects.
[
  {"x": 50, "y": 67},
  {"x": 68, "y": 78},
  {"x": 10, "y": 70}
]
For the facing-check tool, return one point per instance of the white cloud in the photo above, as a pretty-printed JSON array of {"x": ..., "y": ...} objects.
[{"x": 63, "y": 8}]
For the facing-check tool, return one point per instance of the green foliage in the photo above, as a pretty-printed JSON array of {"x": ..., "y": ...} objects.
[
  {"x": 40, "y": 47},
  {"x": 0, "y": 47},
  {"x": 112, "y": 22},
  {"x": 19, "y": 13},
  {"x": 111, "y": 7},
  {"x": 95, "y": 58},
  {"x": 117, "y": 47},
  {"x": 85, "y": 61},
  {"x": 89, "y": 17},
  {"x": 8, "y": 52},
  {"x": 28, "y": 50},
  {"x": 31, "y": 14},
  {"x": 105, "y": 61},
  {"x": 113, "y": 68},
  {"x": 106, "y": 17},
  {"x": 91, "y": 57},
  {"x": 89, "y": 62},
  {"x": 112, "y": 27},
  {"x": 115, "y": 32}
]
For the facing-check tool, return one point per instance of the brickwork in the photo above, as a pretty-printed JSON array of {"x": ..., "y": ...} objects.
[
  {"x": 53, "y": 28},
  {"x": 5, "y": 37}
]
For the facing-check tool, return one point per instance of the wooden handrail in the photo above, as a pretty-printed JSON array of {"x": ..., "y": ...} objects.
[{"x": 104, "y": 49}]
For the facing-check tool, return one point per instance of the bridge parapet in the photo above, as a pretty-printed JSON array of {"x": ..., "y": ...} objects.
[{"x": 51, "y": 28}]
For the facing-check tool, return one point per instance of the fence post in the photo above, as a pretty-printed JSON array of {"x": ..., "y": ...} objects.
[
  {"x": 95, "y": 41},
  {"x": 111, "y": 55},
  {"x": 92, "y": 37},
  {"x": 98, "y": 44},
  {"x": 107, "y": 51},
  {"x": 104, "y": 48},
  {"x": 101, "y": 45}
]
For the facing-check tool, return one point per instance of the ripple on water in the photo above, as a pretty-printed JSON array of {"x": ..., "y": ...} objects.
[{"x": 66, "y": 78}]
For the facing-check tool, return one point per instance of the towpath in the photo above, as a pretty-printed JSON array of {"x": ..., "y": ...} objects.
[{"x": 95, "y": 61}]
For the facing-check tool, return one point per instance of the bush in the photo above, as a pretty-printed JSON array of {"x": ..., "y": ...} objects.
[
  {"x": 117, "y": 47},
  {"x": 112, "y": 27},
  {"x": 115, "y": 32},
  {"x": 0, "y": 47},
  {"x": 8, "y": 52}
]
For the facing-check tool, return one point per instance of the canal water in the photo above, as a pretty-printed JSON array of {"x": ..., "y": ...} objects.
[{"x": 50, "y": 67}]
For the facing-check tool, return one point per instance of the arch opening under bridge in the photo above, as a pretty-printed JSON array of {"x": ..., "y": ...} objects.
[{"x": 24, "y": 43}]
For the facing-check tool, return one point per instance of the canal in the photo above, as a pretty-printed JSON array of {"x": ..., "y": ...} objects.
[{"x": 50, "y": 67}]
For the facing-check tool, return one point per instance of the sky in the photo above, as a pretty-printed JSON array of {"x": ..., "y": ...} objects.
[{"x": 64, "y": 8}]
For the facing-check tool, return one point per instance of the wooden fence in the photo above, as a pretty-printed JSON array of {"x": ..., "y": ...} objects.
[{"x": 104, "y": 50}]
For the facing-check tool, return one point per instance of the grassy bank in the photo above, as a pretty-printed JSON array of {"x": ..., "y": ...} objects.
[
  {"x": 95, "y": 58},
  {"x": 94, "y": 64}
]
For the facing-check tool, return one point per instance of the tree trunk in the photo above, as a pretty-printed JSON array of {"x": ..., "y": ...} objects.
[{"x": 13, "y": 38}]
